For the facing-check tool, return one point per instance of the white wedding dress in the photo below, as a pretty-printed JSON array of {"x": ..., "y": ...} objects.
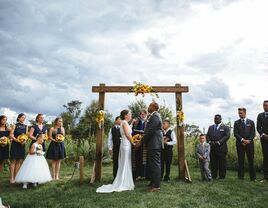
[
  {"x": 123, "y": 180},
  {"x": 34, "y": 168}
]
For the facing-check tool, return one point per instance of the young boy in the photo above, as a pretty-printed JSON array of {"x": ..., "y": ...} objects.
[
  {"x": 203, "y": 151},
  {"x": 167, "y": 152}
]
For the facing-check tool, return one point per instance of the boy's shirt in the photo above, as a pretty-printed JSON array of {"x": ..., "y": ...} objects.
[{"x": 203, "y": 150}]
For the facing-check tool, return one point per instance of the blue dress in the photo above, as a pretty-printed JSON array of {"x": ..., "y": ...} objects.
[
  {"x": 4, "y": 151},
  {"x": 56, "y": 150},
  {"x": 17, "y": 151},
  {"x": 37, "y": 130}
]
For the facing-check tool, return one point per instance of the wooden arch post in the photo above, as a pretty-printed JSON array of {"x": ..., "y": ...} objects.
[{"x": 102, "y": 89}]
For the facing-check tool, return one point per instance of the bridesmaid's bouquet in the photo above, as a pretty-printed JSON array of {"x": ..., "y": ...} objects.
[
  {"x": 22, "y": 138},
  {"x": 59, "y": 138},
  {"x": 4, "y": 141}
]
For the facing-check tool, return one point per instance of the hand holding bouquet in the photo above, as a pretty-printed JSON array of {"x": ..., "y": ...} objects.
[
  {"x": 59, "y": 138},
  {"x": 22, "y": 138},
  {"x": 4, "y": 141}
]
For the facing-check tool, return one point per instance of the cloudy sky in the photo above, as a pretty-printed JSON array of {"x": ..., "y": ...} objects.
[{"x": 55, "y": 51}]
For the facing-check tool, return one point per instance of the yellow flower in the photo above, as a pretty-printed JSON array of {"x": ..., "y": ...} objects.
[
  {"x": 59, "y": 138},
  {"x": 22, "y": 138},
  {"x": 137, "y": 138},
  {"x": 4, "y": 141}
]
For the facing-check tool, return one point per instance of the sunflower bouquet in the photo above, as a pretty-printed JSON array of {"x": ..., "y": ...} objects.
[
  {"x": 100, "y": 118},
  {"x": 4, "y": 141},
  {"x": 137, "y": 138},
  {"x": 140, "y": 88},
  {"x": 22, "y": 138},
  {"x": 45, "y": 137},
  {"x": 59, "y": 138}
]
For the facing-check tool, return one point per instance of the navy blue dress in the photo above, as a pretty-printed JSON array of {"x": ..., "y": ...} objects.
[
  {"x": 4, "y": 151},
  {"x": 56, "y": 150},
  {"x": 17, "y": 151},
  {"x": 37, "y": 130}
]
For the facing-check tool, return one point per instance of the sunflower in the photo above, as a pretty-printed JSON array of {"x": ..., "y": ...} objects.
[
  {"x": 4, "y": 141},
  {"x": 22, "y": 138},
  {"x": 137, "y": 138},
  {"x": 59, "y": 138}
]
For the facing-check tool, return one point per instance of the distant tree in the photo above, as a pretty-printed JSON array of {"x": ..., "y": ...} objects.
[
  {"x": 136, "y": 107},
  {"x": 71, "y": 115},
  {"x": 192, "y": 130},
  {"x": 166, "y": 113}
]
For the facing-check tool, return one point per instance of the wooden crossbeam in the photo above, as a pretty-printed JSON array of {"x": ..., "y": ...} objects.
[{"x": 124, "y": 89}]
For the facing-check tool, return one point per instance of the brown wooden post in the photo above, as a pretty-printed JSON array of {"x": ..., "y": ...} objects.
[
  {"x": 180, "y": 136},
  {"x": 81, "y": 168},
  {"x": 99, "y": 138}
]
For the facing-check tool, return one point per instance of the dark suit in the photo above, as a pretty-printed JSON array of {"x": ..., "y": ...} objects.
[
  {"x": 153, "y": 138},
  {"x": 218, "y": 151},
  {"x": 246, "y": 131},
  {"x": 262, "y": 128}
]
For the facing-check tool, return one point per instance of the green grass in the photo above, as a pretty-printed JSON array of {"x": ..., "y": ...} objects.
[{"x": 67, "y": 193}]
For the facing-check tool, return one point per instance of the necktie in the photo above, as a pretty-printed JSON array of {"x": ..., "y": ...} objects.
[
  {"x": 215, "y": 129},
  {"x": 243, "y": 123}
]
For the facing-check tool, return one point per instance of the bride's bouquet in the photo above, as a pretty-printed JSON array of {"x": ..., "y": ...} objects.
[
  {"x": 137, "y": 138},
  {"x": 59, "y": 138},
  {"x": 22, "y": 138},
  {"x": 4, "y": 141}
]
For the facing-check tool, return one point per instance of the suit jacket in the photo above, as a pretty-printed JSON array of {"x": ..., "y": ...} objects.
[
  {"x": 262, "y": 124},
  {"x": 246, "y": 131},
  {"x": 204, "y": 151},
  {"x": 222, "y": 134},
  {"x": 153, "y": 136}
]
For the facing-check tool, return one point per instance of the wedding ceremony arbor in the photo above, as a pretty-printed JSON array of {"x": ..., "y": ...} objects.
[{"x": 178, "y": 89}]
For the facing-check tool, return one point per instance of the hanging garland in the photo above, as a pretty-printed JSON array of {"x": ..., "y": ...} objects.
[
  {"x": 100, "y": 118},
  {"x": 140, "y": 88}
]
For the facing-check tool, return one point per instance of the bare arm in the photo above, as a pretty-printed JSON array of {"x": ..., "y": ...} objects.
[
  {"x": 50, "y": 134},
  {"x": 127, "y": 133},
  {"x": 11, "y": 135},
  {"x": 31, "y": 134}
]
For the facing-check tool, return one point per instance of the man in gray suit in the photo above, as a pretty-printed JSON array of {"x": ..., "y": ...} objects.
[
  {"x": 153, "y": 138},
  {"x": 203, "y": 151}
]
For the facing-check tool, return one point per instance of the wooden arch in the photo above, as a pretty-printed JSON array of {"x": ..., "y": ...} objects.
[{"x": 177, "y": 89}]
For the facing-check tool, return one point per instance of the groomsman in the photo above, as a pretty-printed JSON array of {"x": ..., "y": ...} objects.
[
  {"x": 244, "y": 132},
  {"x": 262, "y": 128},
  {"x": 217, "y": 137},
  {"x": 114, "y": 140}
]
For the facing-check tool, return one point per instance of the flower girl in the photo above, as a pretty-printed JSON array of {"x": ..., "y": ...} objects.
[{"x": 34, "y": 168}]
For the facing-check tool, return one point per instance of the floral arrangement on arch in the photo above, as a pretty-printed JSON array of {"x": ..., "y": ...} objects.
[
  {"x": 180, "y": 116},
  {"x": 140, "y": 88},
  {"x": 100, "y": 118}
]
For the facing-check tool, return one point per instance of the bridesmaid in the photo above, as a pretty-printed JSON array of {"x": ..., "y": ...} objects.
[
  {"x": 56, "y": 150},
  {"x": 38, "y": 128},
  {"x": 4, "y": 132},
  {"x": 17, "y": 151}
]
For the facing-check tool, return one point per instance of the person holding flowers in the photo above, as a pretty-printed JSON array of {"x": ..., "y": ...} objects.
[
  {"x": 4, "y": 141},
  {"x": 34, "y": 169},
  {"x": 38, "y": 128},
  {"x": 18, "y": 135},
  {"x": 56, "y": 150}
]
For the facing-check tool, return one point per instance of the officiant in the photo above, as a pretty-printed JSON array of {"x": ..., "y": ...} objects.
[{"x": 139, "y": 156}]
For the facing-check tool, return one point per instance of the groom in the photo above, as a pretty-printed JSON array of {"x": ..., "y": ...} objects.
[{"x": 153, "y": 139}]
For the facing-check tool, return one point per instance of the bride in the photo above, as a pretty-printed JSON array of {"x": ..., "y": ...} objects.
[{"x": 123, "y": 180}]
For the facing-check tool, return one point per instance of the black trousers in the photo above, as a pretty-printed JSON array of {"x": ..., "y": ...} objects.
[
  {"x": 154, "y": 162},
  {"x": 218, "y": 163},
  {"x": 115, "y": 160},
  {"x": 166, "y": 160},
  {"x": 264, "y": 144},
  {"x": 241, "y": 151}
]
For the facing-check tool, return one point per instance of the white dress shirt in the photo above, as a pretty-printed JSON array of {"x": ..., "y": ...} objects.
[
  {"x": 110, "y": 138},
  {"x": 173, "y": 137}
]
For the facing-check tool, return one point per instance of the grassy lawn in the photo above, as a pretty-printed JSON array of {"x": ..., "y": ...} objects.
[{"x": 67, "y": 193}]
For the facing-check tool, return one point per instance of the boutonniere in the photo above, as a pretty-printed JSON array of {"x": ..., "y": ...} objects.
[{"x": 221, "y": 129}]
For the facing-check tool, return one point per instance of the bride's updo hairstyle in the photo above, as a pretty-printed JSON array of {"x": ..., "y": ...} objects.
[{"x": 123, "y": 114}]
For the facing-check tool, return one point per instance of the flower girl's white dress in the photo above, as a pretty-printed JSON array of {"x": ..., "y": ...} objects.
[{"x": 34, "y": 169}]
